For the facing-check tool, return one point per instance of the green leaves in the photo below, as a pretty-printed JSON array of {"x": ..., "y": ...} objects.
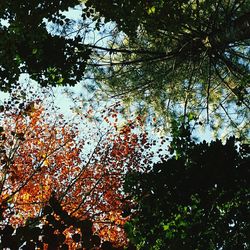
[
  {"x": 172, "y": 61},
  {"x": 196, "y": 201},
  {"x": 151, "y": 10},
  {"x": 27, "y": 46}
]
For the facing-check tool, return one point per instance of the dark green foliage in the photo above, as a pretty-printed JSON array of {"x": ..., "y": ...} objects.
[
  {"x": 26, "y": 46},
  {"x": 189, "y": 27},
  {"x": 199, "y": 200}
]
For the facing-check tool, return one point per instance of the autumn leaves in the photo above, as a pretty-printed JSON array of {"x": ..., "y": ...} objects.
[{"x": 42, "y": 160}]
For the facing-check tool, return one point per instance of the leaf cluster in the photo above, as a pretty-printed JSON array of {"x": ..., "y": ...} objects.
[
  {"x": 27, "y": 46},
  {"x": 196, "y": 201},
  {"x": 49, "y": 230}
]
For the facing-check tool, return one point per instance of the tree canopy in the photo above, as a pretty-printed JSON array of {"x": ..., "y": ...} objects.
[
  {"x": 47, "y": 161},
  {"x": 183, "y": 58},
  {"x": 100, "y": 179},
  {"x": 198, "y": 200},
  {"x": 27, "y": 46}
]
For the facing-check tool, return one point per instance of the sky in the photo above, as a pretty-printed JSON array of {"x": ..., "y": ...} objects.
[{"x": 63, "y": 101}]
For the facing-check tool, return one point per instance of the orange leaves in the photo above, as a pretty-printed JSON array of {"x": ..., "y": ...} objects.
[
  {"x": 113, "y": 230},
  {"x": 36, "y": 158},
  {"x": 42, "y": 154}
]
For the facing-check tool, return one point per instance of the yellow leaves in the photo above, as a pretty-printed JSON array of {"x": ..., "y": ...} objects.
[
  {"x": 45, "y": 162},
  {"x": 25, "y": 197},
  {"x": 125, "y": 129},
  {"x": 5, "y": 197},
  {"x": 151, "y": 10},
  {"x": 112, "y": 233},
  {"x": 206, "y": 42},
  {"x": 116, "y": 217}
]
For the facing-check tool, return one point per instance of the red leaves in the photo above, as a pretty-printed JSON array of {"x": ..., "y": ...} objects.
[
  {"x": 34, "y": 158},
  {"x": 41, "y": 154}
]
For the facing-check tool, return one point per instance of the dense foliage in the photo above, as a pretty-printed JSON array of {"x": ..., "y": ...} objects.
[
  {"x": 170, "y": 62},
  {"x": 50, "y": 234},
  {"x": 27, "y": 46},
  {"x": 198, "y": 200}
]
